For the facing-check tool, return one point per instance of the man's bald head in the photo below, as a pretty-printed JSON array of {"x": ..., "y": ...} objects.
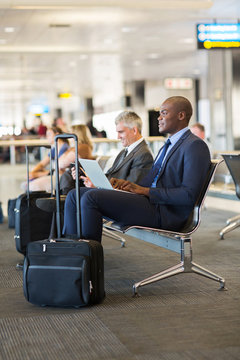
[
  {"x": 181, "y": 104},
  {"x": 174, "y": 115}
]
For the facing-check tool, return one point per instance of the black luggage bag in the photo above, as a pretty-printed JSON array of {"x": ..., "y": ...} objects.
[
  {"x": 64, "y": 272},
  {"x": 31, "y": 223},
  {"x": 11, "y": 213}
]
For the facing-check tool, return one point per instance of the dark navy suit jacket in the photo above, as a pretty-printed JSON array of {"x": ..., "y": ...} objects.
[
  {"x": 169, "y": 204},
  {"x": 180, "y": 180}
]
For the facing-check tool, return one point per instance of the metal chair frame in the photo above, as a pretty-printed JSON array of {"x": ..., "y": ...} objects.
[
  {"x": 180, "y": 242},
  {"x": 233, "y": 163}
]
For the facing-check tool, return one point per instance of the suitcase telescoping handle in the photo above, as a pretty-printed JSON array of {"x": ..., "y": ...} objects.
[
  {"x": 27, "y": 162},
  {"x": 67, "y": 136}
]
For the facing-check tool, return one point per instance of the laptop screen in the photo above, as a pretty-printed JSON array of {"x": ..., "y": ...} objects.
[{"x": 94, "y": 171}]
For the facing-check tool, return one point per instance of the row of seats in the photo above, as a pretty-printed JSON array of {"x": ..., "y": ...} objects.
[{"x": 179, "y": 242}]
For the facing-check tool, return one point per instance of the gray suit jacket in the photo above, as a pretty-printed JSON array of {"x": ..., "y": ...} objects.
[{"x": 134, "y": 166}]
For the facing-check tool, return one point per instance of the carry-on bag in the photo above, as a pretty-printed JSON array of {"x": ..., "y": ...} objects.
[
  {"x": 31, "y": 223},
  {"x": 11, "y": 213},
  {"x": 61, "y": 271}
]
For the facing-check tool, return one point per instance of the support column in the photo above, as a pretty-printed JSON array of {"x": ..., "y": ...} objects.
[
  {"x": 136, "y": 90},
  {"x": 220, "y": 96}
]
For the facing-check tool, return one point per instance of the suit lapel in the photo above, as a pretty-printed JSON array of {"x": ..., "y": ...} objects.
[
  {"x": 115, "y": 164},
  {"x": 174, "y": 148},
  {"x": 127, "y": 158}
]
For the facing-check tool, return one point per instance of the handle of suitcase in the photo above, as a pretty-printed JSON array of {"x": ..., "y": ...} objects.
[
  {"x": 58, "y": 215},
  {"x": 27, "y": 163}
]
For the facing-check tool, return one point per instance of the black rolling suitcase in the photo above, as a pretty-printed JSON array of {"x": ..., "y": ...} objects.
[
  {"x": 64, "y": 272},
  {"x": 31, "y": 223}
]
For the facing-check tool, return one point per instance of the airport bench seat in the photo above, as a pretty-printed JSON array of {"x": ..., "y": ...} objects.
[{"x": 179, "y": 242}]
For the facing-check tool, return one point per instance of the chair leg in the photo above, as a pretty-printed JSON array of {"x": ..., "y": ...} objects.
[
  {"x": 229, "y": 227},
  {"x": 208, "y": 274},
  {"x": 233, "y": 219},
  {"x": 185, "y": 266},
  {"x": 174, "y": 270},
  {"x": 114, "y": 236}
]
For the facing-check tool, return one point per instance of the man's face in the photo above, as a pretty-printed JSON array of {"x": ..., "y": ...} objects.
[
  {"x": 125, "y": 134},
  {"x": 169, "y": 118}
]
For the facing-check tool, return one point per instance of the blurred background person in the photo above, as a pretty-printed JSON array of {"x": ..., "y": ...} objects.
[
  {"x": 41, "y": 170},
  {"x": 60, "y": 123},
  {"x": 85, "y": 148},
  {"x": 42, "y": 129},
  {"x": 199, "y": 130},
  {"x": 95, "y": 132}
]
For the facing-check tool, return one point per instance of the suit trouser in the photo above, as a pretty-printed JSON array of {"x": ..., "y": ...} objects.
[{"x": 128, "y": 209}]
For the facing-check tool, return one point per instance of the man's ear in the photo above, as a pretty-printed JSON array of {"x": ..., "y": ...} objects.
[
  {"x": 135, "y": 130},
  {"x": 182, "y": 115}
]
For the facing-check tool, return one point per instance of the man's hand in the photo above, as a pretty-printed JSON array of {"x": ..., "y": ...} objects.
[
  {"x": 117, "y": 183},
  {"x": 73, "y": 172},
  {"x": 129, "y": 186},
  {"x": 87, "y": 182}
]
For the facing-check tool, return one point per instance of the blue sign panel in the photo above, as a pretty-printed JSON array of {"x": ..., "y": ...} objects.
[{"x": 218, "y": 36}]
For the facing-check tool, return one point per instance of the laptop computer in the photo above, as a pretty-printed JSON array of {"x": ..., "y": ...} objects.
[{"x": 94, "y": 171}]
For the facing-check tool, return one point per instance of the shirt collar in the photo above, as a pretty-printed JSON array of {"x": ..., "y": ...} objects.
[
  {"x": 133, "y": 145},
  {"x": 174, "y": 138}
]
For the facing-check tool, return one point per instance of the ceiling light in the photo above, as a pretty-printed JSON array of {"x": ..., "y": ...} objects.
[
  {"x": 108, "y": 41},
  {"x": 59, "y": 25},
  {"x": 9, "y": 29},
  {"x": 153, "y": 56},
  {"x": 187, "y": 41},
  {"x": 72, "y": 64},
  {"x": 83, "y": 56},
  {"x": 196, "y": 71},
  {"x": 127, "y": 29},
  {"x": 137, "y": 63}
]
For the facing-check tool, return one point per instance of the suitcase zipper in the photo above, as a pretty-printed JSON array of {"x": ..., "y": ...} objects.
[
  {"x": 90, "y": 287},
  {"x": 45, "y": 245},
  {"x": 48, "y": 267}
]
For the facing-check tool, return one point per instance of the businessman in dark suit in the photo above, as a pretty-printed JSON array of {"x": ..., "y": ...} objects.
[{"x": 165, "y": 197}]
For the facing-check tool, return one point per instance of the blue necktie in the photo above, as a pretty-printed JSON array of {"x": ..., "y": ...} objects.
[{"x": 148, "y": 179}]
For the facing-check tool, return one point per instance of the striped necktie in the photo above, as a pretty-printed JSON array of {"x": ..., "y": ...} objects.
[{"x": 153, "y": 173}]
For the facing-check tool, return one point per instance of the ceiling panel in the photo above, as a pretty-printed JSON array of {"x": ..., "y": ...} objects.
[
  {"x": 93, "y": 47},
  {"x": 163, "y": 4}
]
